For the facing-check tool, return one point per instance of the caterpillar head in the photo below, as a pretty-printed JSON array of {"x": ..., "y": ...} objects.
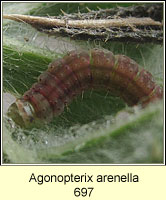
[{"x": 22, "y": 113}]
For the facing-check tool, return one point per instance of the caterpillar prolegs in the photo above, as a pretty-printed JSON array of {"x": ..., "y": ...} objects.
[{"x": 67, "y": 77}]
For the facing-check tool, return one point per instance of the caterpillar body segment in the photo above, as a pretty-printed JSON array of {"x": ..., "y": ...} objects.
[{"x": 77, "y": 71}]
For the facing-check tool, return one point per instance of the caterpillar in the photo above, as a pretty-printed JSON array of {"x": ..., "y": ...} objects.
[{"x": 77, "y": 71}]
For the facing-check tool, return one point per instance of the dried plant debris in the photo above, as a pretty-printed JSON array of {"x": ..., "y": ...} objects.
[
  {"x": 154, "y": 11},
  {"x": 141, "y": 23}
]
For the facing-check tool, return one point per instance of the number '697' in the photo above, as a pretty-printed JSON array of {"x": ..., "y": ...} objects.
[{"x": 83, "y": 191}]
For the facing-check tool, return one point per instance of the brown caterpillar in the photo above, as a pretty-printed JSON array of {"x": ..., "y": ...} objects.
[{"x": 67, "y": 77}]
